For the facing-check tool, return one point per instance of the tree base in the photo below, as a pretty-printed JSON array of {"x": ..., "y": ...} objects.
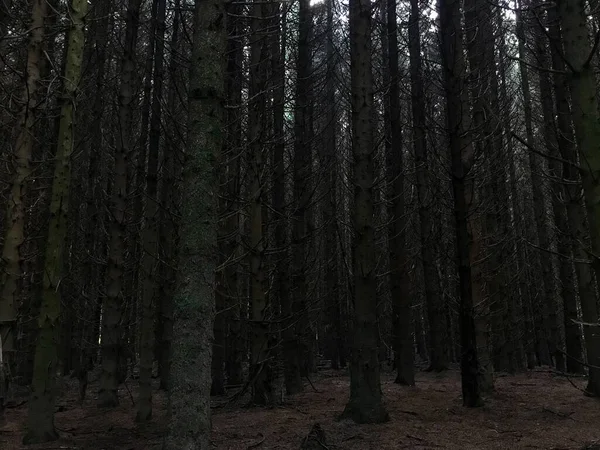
[
  {"x": 143, "y": 416},
  {"x": 107, "y": 399},
  {"x": 405, "y": 379},
  {"x": 369, "y": 414},
  {"x": 40, "y": 436}
]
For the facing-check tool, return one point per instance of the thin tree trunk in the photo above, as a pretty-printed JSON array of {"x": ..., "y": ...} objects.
[
  {"x": 402, "y": 340},
  {"x": 579, "y": 234},
  {"x": 150, "y": 258},
  {"x": 541, "y": 233},
  {"x": 461, "y": 156},
  {"x": 113, "y": 307},
  {"x": 260, "y": 367}
]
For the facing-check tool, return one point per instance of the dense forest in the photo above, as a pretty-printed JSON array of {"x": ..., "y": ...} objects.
[{"x": 299, "y": 216}]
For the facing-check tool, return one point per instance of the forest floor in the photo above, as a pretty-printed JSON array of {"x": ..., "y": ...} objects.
[{"x": 534, "y": 410}]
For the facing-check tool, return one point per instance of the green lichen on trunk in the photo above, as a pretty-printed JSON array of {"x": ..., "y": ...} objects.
[
  {"x": 189, "y": 397},
  {"x": 40, "y": 424}
]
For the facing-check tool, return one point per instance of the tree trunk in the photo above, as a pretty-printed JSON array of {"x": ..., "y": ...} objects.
[
  {"x": 11, "y": 263},
  {"x": 461, "y": 156},
  {"x": 150, "y": 254},
  {"x": 571, "y": 190},
  {"x": 40, "y": 423},
  {"x": 330, "y": 202},
  {"x": 565, "y": 268},
  {"x": 402, "y": 340},
  {"x": 113, "y": 307},
  {"x": 189, "y": 397},
  {"x": 587, "y": 132},
  {"x": 540, "y": 236},
  {"x": 365, "y": 404},
  {"x": 260, "y": 367}
]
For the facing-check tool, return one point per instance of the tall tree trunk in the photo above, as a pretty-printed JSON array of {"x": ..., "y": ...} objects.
[
  {"x": 301, "y": 197},
  {"x": 281, "y": 290},
  {"x": 40, "y": 423},
  {"x": 11, "y": 263},
  {"x": 541, "y": 233},
  {"x": 565, "y": 268},
  {"x": 189, "y": 398},
  {"x": 575, "y": 211},
  {"x": 330, "y": 202},
  {"x": 402, "y": 340},
  {"x": 260, "y": 367},
  {"x": 235, "y": 340},
  {"x": 169, "y": 225},
  {"x": 113, "y": 307},
  {"x": 150, "y": 256},
  {"x": 438, "y": 359},
  {"x": 461, "y": 157},
  {"x": 582, "y": 82},
  {"x": 365, "y": 403}
]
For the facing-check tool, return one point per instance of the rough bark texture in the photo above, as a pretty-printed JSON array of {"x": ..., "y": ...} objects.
[
  {"x": 40, "y": 423},
  {"x": 461, "y": 157},
  {"x": 189, "y": 397},
  {"x": 582, "y": 82},
  {"x": 11, "y": 262},
  {"x": 365, "y": 404}
]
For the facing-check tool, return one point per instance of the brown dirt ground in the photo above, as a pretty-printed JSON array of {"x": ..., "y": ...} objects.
[{"x": 534, "y": 410}]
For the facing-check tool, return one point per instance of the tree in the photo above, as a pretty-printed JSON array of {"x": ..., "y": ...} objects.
[
  {"x": 11, "y": 263},
  {"x": 399, "y": 283},
  {"x": 365, "y": 404},
  {"x": 461, "y": 160},
  {"x": 189, "y": 397},
  {"x": 586, "y": 121},
  {"x": 575, "y": 210},
  {"x": 113, "y": 302},
  {"x": 40, "y": 423}
]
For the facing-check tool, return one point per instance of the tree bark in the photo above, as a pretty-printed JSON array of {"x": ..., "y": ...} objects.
[
  {"x": 365, "y": 404},
  {"x": 402, "y": 337},
  {"x": 40, "y": 420},
  {"x": 150, "y": 254},
  {"x": 113, "y": 307},
  {"x": 582, "y": 82},
  {"x": 461, "y": 157},
  {"x": 572, "y": 194},
  {"x": 189, "y": 397},
  {"x": 11, "y": 262}
]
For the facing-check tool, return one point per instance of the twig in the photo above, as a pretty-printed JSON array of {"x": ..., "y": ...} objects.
[
  {"x": 130, "y": 394},
  {"x": 558, "y": 413},
  {"x": 313, "y": 386}
]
